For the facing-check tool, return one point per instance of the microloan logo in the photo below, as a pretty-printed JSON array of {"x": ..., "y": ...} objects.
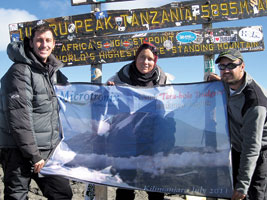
[
  {"x": 186, "y": 37},
  {"x": 72, "y": 96}
]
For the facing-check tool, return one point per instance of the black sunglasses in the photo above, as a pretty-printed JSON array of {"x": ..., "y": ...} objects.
[{"x": 228, "y": 66}]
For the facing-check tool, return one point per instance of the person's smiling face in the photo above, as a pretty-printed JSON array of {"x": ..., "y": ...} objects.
[
  {"x": 232, "y": 76},
  {"x": 43, "y": 44},
  {"x": 145, "y": 61}
]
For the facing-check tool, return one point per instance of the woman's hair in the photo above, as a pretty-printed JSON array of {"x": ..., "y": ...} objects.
[{"x": 150, "y": 46}]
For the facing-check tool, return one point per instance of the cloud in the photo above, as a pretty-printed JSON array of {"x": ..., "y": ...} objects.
[
  {"x": 9, "y": 16},
  {"x": 97, "y": 168}
]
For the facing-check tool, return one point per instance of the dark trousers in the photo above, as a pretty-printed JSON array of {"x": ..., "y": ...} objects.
[
  {"x": 123, "y": 194},
  {"x": 18, "y": 173},
  {"x": 258, "y": 186}
]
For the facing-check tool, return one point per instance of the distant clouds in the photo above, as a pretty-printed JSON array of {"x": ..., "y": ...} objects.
[
  {"x": 9, "y": 16},
  {"x": 97, "y": 168}
]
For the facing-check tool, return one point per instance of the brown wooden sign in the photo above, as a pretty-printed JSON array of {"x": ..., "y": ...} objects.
[
  {"x": 109, "y": 49},
  {"x": 123, "y": 21},
  {"x": 86, "y": 2}
]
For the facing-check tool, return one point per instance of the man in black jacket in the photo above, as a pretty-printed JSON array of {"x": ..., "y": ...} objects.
[{"x": 31, "y": 116}]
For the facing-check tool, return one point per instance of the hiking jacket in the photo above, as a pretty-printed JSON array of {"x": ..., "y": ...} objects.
[
  {"x": 29, "y": 117},
  {"x": 248, "y": 127},
  {"x": 162, "y": 78}
]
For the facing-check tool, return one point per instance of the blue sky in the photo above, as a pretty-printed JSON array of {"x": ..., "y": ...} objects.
[{"x": 184, "y": 69}]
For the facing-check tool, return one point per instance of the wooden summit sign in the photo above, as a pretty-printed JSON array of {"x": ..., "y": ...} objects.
[
  {"x": 85, "y": 2},
  {"x": 108, "y": 49},
  {"x": 123, "y": 21}
]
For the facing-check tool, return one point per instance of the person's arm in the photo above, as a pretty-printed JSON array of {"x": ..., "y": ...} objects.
[
  {"x": 111, "y": 83},
  {"x": 213, "y": 77},
  {"x": 238, "y": 195},
  {"x": 252, "y": 132},
  {"x": 19, "y": 103},
  {"x": 38, "y": 166},
  {"x": 116, "y": 79}
]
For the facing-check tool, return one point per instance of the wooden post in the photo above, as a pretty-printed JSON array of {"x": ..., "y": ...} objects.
[
  {"x": 100, "y": 192},
  {"x": 209, "y": 67},
  {"x": 96, "y": 73},
  {"x": 96, "y": 70}
]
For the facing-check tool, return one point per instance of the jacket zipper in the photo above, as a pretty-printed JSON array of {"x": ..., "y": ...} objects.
[{"x": 50, "y": 93}]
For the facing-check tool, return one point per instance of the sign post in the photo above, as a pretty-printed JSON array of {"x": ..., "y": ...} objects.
[
  {"x": 97, "y": 192},
  {"x": 210, "y": 139},
  {"x": 96, "y": 69},
  {"x": 209, "y": 66},
  {"x": 101, "y": 192}
]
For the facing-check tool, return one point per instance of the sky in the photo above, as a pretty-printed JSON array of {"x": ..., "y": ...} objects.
[{"x": 184, "y": 69}]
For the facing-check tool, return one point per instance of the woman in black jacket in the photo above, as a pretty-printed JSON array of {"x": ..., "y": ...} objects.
[{"x": 144, "y": 72}]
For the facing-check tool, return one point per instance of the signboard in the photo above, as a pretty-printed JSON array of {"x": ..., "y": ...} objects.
[
  {"x": 108, "y": 49},
  {"x": 85, "y": 2},
  {"x": 123, "y": 21}
]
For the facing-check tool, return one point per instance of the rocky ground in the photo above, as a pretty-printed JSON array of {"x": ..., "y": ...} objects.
[{"x": 79, "y": 191}]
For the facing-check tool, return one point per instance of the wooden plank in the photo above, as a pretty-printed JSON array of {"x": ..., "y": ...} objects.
[
  {"x": 188, "y": 197},
  {"x": 124, "y": 21},
  {"x": 101, "y": 192},
  {"x": 109, "y": 49},
  {"x": 86, "y": 2}
]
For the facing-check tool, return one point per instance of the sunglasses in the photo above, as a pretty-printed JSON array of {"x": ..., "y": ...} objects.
[{"x": 228, "y": 66}]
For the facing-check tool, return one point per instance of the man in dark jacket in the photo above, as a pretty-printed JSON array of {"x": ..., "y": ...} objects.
[
  {"x": 247, "y": 111},
  {"x": 31, "y": 116}
]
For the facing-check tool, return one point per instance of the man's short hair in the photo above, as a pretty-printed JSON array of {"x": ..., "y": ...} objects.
[{"x": 41, "y": 28}]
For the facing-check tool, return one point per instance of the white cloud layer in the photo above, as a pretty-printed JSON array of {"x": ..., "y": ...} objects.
[
  {"x": 9, "y": 16},
  {"x": 155, "y": 165}
]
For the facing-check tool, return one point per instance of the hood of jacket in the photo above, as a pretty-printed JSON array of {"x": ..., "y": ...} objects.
[{"x": 20, "y": 52}]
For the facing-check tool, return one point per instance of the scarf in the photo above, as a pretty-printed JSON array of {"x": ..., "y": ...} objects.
[{"x": 139, "y": 79}]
